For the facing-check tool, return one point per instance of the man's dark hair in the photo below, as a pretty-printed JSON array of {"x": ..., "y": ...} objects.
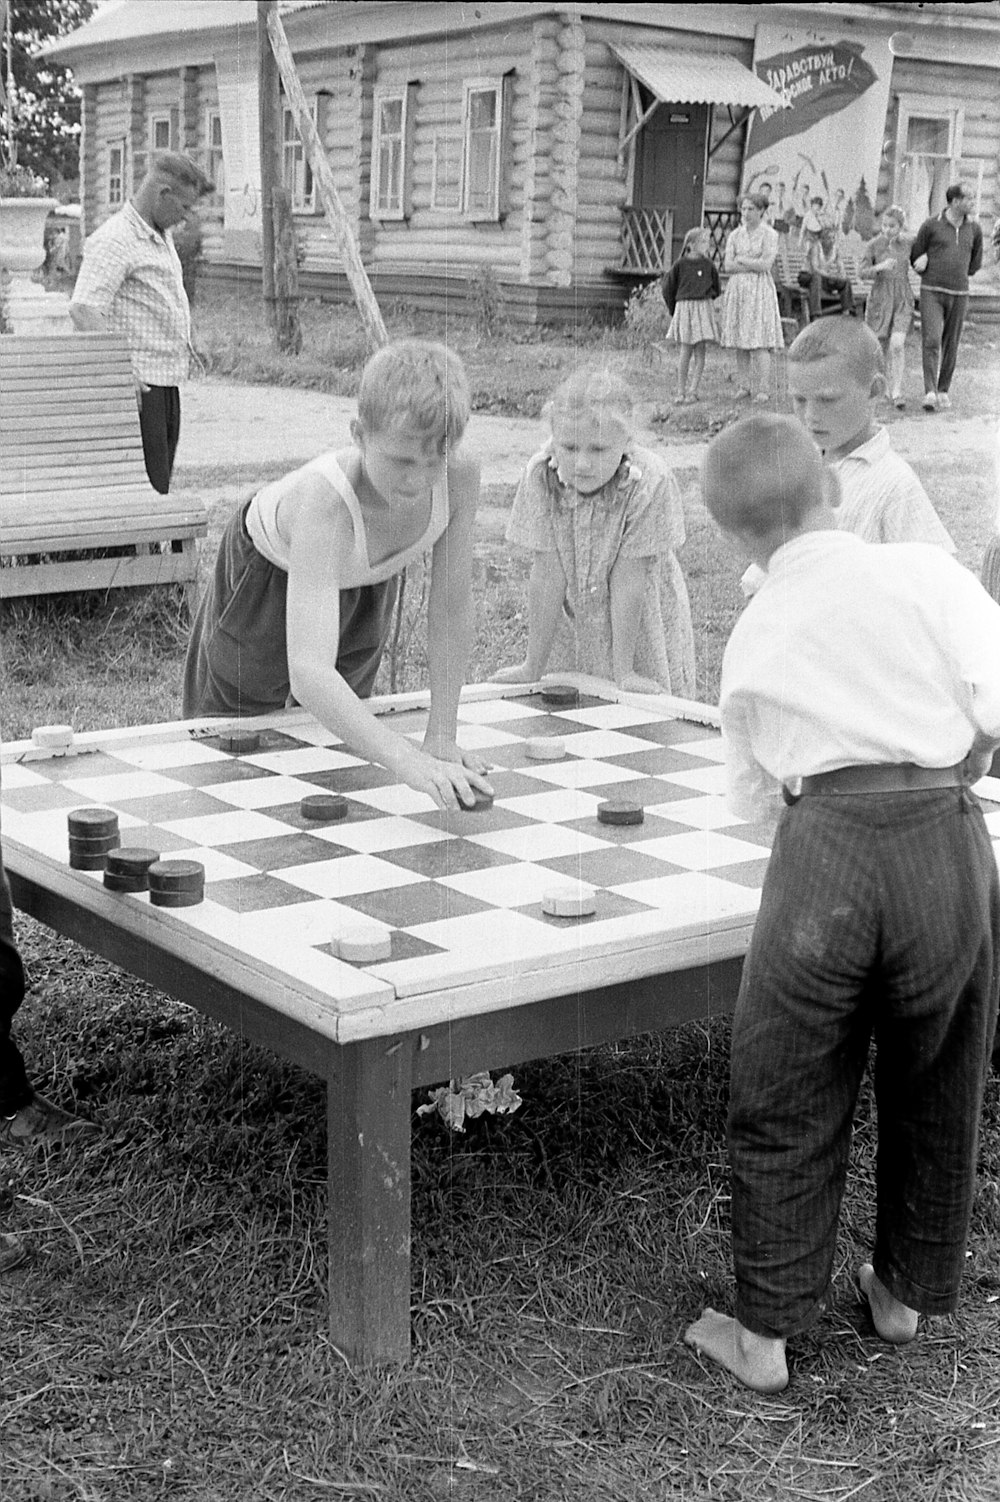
[{"x": 957, "y": 190}]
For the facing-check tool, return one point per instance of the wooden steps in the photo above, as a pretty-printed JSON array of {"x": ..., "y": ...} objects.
[{"x": 72, "y": 475}]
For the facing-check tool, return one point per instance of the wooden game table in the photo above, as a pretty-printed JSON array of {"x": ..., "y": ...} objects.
[{"x": 497, "y": 986}]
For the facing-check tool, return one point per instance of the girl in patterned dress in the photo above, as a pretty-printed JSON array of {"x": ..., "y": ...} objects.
[
  {"x": 889, "y": 309},
  {"x": 751, "y": 318},
  {"x": 690, "y": 288},
  {"x": 604, "y": 521}
]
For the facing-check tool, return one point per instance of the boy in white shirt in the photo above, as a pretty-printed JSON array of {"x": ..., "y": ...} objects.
[
  {"x": 836, "y": 377},
  {"x": 860, "y": 697}
]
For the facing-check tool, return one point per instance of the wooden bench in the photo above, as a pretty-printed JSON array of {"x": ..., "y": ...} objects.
[
  {"x": 72, "y": 476},
  {"x": 792, "y": 259}
]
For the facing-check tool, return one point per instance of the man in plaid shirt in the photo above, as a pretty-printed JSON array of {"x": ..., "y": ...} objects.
[{"x": 130, "y": 283}]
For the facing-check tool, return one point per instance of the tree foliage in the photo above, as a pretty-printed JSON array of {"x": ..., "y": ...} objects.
[{"x": 46, "y": 102}]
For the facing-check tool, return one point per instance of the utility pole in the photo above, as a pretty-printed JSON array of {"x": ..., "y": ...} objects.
[
  {"x": 323, "y": 177},
  {"x": 269, "y": 125}
]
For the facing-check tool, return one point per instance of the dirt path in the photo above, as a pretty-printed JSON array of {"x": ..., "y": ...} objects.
[{"x": 248, "y": 426}]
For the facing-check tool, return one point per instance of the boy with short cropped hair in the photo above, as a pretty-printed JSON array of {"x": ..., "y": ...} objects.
[
  {"x": 836, "y": 376},
  {"x": 860, "y": 697},
  {"x": 300, "y": 601}
]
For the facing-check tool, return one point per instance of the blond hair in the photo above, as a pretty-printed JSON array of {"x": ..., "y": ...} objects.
[
  {"x": 762, "y": 476},
  {"x": 418, "y": 384},
  {"x": 850, "y": 337},
  {"x": 599, "y": 391}
]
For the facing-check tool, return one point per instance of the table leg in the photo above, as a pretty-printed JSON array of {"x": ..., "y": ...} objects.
[{"x": 368, "y": 1154}]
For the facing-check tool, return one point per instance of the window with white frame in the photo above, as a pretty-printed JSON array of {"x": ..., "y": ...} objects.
[
  {"x": 484, "y": 116},
  {"x": 928, "y": 150},
  {"x": 392, "y": 153},
  {"x": 116, "y": 173},
  {"x": 297, "y": 174},
  {"x": 215, "y": 162},
  {"x": 160, "y": 133}
]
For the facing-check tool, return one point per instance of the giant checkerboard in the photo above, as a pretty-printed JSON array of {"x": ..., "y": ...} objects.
[
  {"x": 459, "y": 894},
  {"x": 478, "y": 975}
]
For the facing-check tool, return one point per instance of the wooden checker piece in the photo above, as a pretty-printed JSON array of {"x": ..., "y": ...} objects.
[
  {"x": 90, "y": 823},
  {"x": 619, "y": 811},
  {"x": 573, "y": 899},
  {"x": 126, "y": 869},
  {"x": 177, "y": 883},
  {"x": 90, "y": 860},
  {"x": 52, "y": 737},
  {"x": 240, "y": 742},
  {"x": 364, "y": 945},
  {"x": 480, "y": 804},
  {"x": 323, "y": 808},
  {"x": 560, "y": 695},
  {"x": 545, "y": 748}
]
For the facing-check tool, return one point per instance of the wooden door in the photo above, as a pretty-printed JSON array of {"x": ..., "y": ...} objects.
[{"x": 670, "y": 166}]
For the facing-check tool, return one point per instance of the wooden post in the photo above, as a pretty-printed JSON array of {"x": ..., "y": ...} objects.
[
  {"x": 325, "y": 184},
  {"x": 287, "y": 328},
  {"x": 269, "y": 124}
]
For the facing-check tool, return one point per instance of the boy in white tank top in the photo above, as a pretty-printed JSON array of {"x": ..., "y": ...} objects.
[{"x": 300, "y": 600}]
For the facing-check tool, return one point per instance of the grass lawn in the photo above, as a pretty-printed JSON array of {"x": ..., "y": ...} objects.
[{"x": 168, "y": 1338}]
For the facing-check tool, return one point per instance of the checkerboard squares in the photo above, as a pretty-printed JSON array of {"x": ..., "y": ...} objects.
[
  {"x": 19, "y": 775},
  {"x": 121, "y": 786},
  {"x": 299, "y": 761},
  {"x": 693, "y": 897},
  {"x": 703, "y": 850},
  {"x": 559, "y": 806},
  {"x": 519, "y": 884},
  {"x": 710, "y": 780},
  {"x": 347, "y": 876},
  {"x": 225, "y": 829},
  {"x": 370, "y": 836},
  {"x": 604, "y": 743},
  {"x": 708, "y": 750},
  {"x": 539, "y": 842},
  {"x": 496, "y": 711},
  {"x": 260, "y": 792},
  {"x": 700, "y": 813},
  {"x": 581, "y": 773},
  {"x": 154, "y": 756},
  {"x": 395, "y": 798}
]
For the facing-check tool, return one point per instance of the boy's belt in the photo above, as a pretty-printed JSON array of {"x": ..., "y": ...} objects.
[{"x": 888, "y": 777}]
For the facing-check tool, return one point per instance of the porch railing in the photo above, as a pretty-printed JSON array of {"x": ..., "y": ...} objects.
[
  {"x": 646, "y": 237},
  {"x": 719, "y": 222}
]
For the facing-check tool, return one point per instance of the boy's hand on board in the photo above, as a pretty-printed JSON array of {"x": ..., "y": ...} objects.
[
  {"x": 519, "y": 673},
  {"x": 442, "y": 772}
]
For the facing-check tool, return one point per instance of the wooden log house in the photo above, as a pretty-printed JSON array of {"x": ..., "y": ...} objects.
[{"x": 559, "y": 153}]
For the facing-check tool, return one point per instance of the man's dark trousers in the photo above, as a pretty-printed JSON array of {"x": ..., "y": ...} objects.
[
  {"x": 160, "y": 425},
  {"x": 942, "y": 315}
]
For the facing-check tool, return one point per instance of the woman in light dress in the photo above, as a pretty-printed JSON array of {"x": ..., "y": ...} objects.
[{"x": 751, "y": 319}]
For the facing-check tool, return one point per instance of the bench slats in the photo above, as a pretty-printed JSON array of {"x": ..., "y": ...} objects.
[{"x": 72, "y": 473}]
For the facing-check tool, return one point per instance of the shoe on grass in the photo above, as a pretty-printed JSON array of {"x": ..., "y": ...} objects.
[
  {"x": 944, "y": 401},
  {"x": 12, "y": 1252},
  {"x": 930, "y": 402},
  {"x": 41, "y": 1123}
]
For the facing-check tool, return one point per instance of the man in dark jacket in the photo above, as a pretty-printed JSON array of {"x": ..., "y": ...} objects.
[{"x": 946, "y": 251}]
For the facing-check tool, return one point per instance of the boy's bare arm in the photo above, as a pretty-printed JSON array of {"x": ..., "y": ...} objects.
[
  {"x": 450, "y": 621},
  {"x": 313, "y": 641}
]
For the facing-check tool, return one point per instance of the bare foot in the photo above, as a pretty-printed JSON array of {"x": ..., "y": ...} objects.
[
  {"x": 894, "y": 1321},
  {"x": 757, "y": 1360}
]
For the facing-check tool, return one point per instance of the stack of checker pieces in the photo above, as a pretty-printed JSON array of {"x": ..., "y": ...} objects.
[{"x": 95, "y": 845}]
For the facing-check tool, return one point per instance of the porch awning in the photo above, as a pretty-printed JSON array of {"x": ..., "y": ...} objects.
[{"x": 694, "y": 77}]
